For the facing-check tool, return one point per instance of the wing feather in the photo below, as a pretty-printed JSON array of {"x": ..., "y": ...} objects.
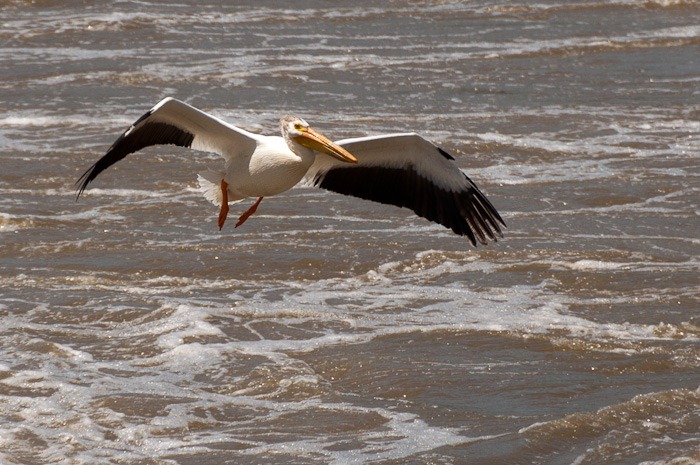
[
  {"x": 172, "y": 122},
  {"x": 408, "y": 171}
]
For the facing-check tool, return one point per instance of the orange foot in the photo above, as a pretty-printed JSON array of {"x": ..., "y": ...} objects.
[
  {"x": 250, "y": 211},
  {"x": 224, "y": 204}
]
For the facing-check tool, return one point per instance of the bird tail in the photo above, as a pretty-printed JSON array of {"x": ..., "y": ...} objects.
[{"x": 210, "y": 185}]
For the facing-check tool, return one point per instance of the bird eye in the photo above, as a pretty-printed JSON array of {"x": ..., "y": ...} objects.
[{"x": 298, "y": 127}]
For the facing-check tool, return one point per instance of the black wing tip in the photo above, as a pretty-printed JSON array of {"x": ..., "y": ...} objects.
[
  {"x": 485, "y": 202},
  {"x": 480, "y": 221},
  {"x": 487, "y": 226},
  {"x": 467, "y": 212},
  {"x": 91, "y": 173},
  {"x": 84, "y": 180},
  {"x": 132, "y": 140}
]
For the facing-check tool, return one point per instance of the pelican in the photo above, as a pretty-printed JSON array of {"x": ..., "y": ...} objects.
[{"x": 403, "y": 169}]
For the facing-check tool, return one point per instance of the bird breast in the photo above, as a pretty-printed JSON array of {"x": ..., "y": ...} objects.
[{"x": 272, "y": 169}]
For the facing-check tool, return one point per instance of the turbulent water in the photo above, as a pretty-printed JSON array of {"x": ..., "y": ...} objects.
[{"x": 332, "y": 330}]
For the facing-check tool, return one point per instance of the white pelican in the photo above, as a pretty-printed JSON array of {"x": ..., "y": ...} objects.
[{"x": 398, "y": 169}]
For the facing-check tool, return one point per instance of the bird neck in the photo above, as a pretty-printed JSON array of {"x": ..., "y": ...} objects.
[{"x": 306, "y": 154}]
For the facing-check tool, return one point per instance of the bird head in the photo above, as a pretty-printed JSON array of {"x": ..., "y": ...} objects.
[{"x": 300, "y": 132}]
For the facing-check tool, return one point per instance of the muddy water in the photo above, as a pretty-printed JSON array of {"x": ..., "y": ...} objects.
[{"x": 332, "y": 330}]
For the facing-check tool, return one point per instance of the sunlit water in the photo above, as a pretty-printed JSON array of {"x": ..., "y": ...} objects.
[{"x": 332, "y": 330}]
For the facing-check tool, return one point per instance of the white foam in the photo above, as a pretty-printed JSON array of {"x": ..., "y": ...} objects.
[
  {"x": 680, "y": 460},
  {"x": 639, "y": 39},
  {"x": 186, "y": 322},
  {"x": 39, "y": 119},
  {"x": 127, "y": 193},
  {"x": 12, "y": 223},
  {"x": 402, "y": 435},
  {"x": 195, "y": 354},
  {"x": 596, "y": 265}
]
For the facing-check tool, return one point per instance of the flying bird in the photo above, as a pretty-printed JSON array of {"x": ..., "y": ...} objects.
[{"x": 403, "y": 169}]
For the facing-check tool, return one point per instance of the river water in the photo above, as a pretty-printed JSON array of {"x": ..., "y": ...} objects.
[{"x": 329, "y": 329}]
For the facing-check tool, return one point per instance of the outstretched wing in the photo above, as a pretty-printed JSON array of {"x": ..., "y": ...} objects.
[
  {"x": 408, "y": 171},
  {"x": 172, "y": 122}
]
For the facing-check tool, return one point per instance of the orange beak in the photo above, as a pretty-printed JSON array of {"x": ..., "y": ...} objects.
[{"x": 314, "y": 140}]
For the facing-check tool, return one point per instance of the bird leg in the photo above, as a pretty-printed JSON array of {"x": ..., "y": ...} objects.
[
  {"x": 250, "y": 211},
  {"x": 224, "y": 204}
]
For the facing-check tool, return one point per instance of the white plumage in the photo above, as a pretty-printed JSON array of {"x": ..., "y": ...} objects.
[{"x": 399, "y": 169}]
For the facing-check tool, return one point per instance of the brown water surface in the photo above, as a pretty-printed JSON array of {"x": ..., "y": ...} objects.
[{"x": 329, "y": 329}]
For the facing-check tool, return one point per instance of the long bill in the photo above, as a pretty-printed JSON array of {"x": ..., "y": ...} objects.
[{"x": 314, "y": 140}]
